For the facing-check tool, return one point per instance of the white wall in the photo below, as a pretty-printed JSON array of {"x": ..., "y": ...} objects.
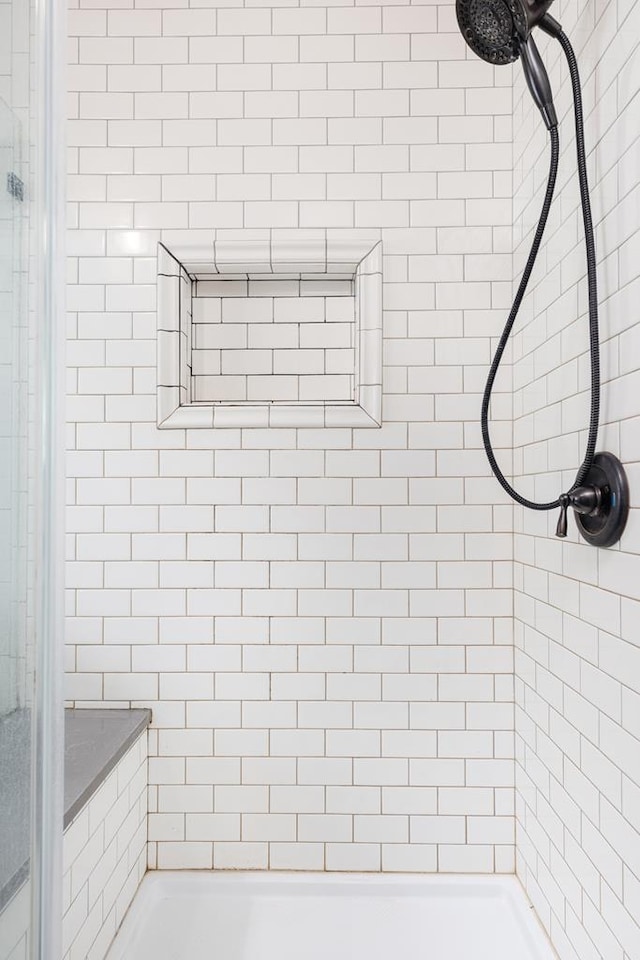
[
  {"x": 320, "y": 619},
  {"x": 577, "y": 656}
]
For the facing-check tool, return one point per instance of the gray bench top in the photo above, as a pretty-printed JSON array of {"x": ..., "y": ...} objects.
[{"x": 94, "y": 742}]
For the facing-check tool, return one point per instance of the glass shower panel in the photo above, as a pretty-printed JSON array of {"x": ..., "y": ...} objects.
[
  {"x": 30, "y": 634},
  {"x": 16, "y": 592},
  {"x": 13, "y": 429}
]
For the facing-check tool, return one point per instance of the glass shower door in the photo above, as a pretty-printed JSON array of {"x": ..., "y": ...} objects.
[
  {"x": 13, "y": 430},
  {"x": 30, "y": 360},
  {"x": 16, "y": 593}
]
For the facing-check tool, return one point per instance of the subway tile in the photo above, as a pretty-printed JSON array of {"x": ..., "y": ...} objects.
[{"x": 310, "y": 546}]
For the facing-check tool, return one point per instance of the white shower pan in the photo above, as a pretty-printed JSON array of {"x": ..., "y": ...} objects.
[{"x": 250, "y": 916}]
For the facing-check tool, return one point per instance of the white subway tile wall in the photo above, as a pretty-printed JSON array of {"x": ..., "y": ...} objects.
[
  {"x": 319, "y": 618},
  {"x": 292, "y": 345},
  {"x": 576, "y": 609},
  {"x": 15, "y": 920},
  {"x": 105, "y": 858}
]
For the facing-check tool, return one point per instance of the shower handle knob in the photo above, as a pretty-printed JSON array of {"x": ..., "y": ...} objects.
[{"x": 584, "y": 500}]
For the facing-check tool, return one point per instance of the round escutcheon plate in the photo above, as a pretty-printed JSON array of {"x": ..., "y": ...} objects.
[{"x": 604, "y": 527}]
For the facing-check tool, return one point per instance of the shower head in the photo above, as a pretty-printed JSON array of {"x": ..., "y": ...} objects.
[
  {"x": 499, "y": 32},
  {"x": 495, "y": 29}
]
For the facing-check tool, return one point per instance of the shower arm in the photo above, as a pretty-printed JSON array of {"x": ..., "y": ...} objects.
[{"x": 599, "y": 494}]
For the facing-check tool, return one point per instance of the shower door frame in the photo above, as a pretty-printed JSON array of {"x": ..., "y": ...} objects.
[{"x": 49, "y": 264}]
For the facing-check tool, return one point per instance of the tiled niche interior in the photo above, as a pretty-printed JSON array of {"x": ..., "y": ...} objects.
[
  {"x": 270, "y": 333},
  {"x": 275, "y": 340}
]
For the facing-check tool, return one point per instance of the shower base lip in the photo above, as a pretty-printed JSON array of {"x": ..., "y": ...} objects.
[{"x": 280, "y": 915}]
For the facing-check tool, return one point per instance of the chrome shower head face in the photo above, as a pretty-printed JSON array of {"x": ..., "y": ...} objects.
[{"x": 493, "y": 28}]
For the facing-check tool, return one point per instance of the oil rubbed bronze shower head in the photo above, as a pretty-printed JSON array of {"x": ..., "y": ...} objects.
[
  {"x": 499, "y": 32},
  {"x": 494, "y": 29}
]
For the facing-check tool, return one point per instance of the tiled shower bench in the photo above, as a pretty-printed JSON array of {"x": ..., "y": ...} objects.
[{"x": 105, "y": 821}]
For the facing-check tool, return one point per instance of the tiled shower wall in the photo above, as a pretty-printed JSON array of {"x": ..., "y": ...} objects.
[
  {"x": 295, "y": 345},
  {"x": 320, "y": 619},
  {"x": 577, "y": 609}
]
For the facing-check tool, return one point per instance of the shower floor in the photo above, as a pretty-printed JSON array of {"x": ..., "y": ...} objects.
[{"x": 249, "y": 916}]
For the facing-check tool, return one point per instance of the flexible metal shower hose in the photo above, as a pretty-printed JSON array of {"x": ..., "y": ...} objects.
[{"x": 594, "y": 338}]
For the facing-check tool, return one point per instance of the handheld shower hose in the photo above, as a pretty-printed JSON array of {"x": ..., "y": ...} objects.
[{"x": 500, "y": 31}]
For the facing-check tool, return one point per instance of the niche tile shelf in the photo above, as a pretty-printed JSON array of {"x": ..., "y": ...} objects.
[{"x": 273, "y": 333}]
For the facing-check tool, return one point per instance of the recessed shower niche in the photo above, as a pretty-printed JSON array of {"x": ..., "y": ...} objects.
[{"x": 270, "y": 333}]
